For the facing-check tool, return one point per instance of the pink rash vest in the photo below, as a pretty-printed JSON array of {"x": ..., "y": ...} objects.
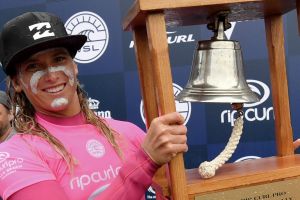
[{"x": 99, "y": 173}]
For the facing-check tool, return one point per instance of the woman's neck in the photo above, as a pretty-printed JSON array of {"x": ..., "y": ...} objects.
[{"x": 77, "y": 119}]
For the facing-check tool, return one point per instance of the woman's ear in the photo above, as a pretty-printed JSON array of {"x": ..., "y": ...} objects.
[
  {"x": 16, "y": 84},
  {"x": 10, "y": 116},
  {"x": 75, "y": 68}
]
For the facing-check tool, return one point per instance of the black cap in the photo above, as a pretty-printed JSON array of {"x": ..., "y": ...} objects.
[
  {"x": 32, "y": 32},
  {"x": 4, "y": 100}
]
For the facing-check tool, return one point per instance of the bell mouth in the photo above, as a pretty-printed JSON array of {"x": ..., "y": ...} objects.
[{"x": 217, "y": 96}]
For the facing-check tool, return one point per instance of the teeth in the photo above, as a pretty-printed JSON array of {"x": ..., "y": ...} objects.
[{"x": 55, "y": 89}]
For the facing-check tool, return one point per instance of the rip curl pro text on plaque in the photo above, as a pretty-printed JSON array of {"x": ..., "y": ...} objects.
[{"x": 279, "y": 190}]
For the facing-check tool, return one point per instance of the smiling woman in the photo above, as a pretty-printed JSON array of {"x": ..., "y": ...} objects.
[
  {"x": 48, "y": 80},
  {"x": 62, "y": 149}
]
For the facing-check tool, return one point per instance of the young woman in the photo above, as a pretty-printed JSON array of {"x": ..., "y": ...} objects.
[{"x": 62, "y": 149}]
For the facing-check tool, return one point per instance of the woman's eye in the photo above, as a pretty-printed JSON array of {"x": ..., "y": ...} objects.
[
  {"x": 32, "y": 67},
  {"x": 60, "y": 59}
]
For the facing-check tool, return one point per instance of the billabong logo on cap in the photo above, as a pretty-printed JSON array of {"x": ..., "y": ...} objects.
[{"x": 43, "y": 30}]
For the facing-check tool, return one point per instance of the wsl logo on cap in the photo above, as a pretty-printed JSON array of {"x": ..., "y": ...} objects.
[
  {"x": 93, "y": 26},
  {"x": 41, "y": 30}
]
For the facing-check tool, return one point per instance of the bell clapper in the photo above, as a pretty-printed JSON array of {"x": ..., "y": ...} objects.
[{"x": 208, "y": 169}]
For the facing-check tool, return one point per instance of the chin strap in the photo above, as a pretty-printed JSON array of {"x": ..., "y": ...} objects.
[{"x": 208, "y": 169}]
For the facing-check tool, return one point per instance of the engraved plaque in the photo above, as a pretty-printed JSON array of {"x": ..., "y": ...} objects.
[{"x": 280, "y": 190}]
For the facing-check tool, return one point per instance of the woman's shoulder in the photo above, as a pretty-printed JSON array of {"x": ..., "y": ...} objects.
[
  {"x": 18, "y": 143},
  {"x": 16, "y": 140},
  {"x": 123, "y": 126},
  {"x": 117, "y": 122},
  {"x": 21, "y": 163},
  {"x": 127, "y": 129}
]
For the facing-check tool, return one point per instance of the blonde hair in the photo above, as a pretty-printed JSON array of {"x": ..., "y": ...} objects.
[{"x": 25, "y": 123}]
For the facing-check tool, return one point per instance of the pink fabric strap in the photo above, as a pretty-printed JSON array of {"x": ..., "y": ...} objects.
[{"x": 46, "y": 190}]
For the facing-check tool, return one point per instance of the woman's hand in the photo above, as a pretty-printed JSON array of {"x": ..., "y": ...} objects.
[
  {"x": 165, "y": 138},
  {"x": 296, "y": 144}
]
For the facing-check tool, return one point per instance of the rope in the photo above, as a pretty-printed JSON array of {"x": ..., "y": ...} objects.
[{"x": 208, "y": 169}]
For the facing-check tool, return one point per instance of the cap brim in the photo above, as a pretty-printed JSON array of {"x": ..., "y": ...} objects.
[{"x": 71, "y": 42}]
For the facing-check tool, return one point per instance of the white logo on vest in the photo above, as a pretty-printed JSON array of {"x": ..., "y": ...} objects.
[
  {"x": 95, "y": 148},
  {"x": 39, "y": 34}
]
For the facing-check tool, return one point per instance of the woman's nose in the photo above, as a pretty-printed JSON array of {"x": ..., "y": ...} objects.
[{"x": 51, "y": 75}]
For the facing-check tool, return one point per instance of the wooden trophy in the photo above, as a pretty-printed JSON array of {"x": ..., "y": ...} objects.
[{"x": 272, "y": 178}]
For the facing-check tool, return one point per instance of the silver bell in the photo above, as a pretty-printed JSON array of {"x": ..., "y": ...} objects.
[{"x": 217, "y": 71}]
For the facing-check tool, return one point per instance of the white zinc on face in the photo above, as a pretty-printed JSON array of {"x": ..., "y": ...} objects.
[
  {"x": 35, "y": 79},
  {"x": 67, "y": 72},
  {"x": 39, "y": 74},
  {"x": 56, "y": 103}
]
